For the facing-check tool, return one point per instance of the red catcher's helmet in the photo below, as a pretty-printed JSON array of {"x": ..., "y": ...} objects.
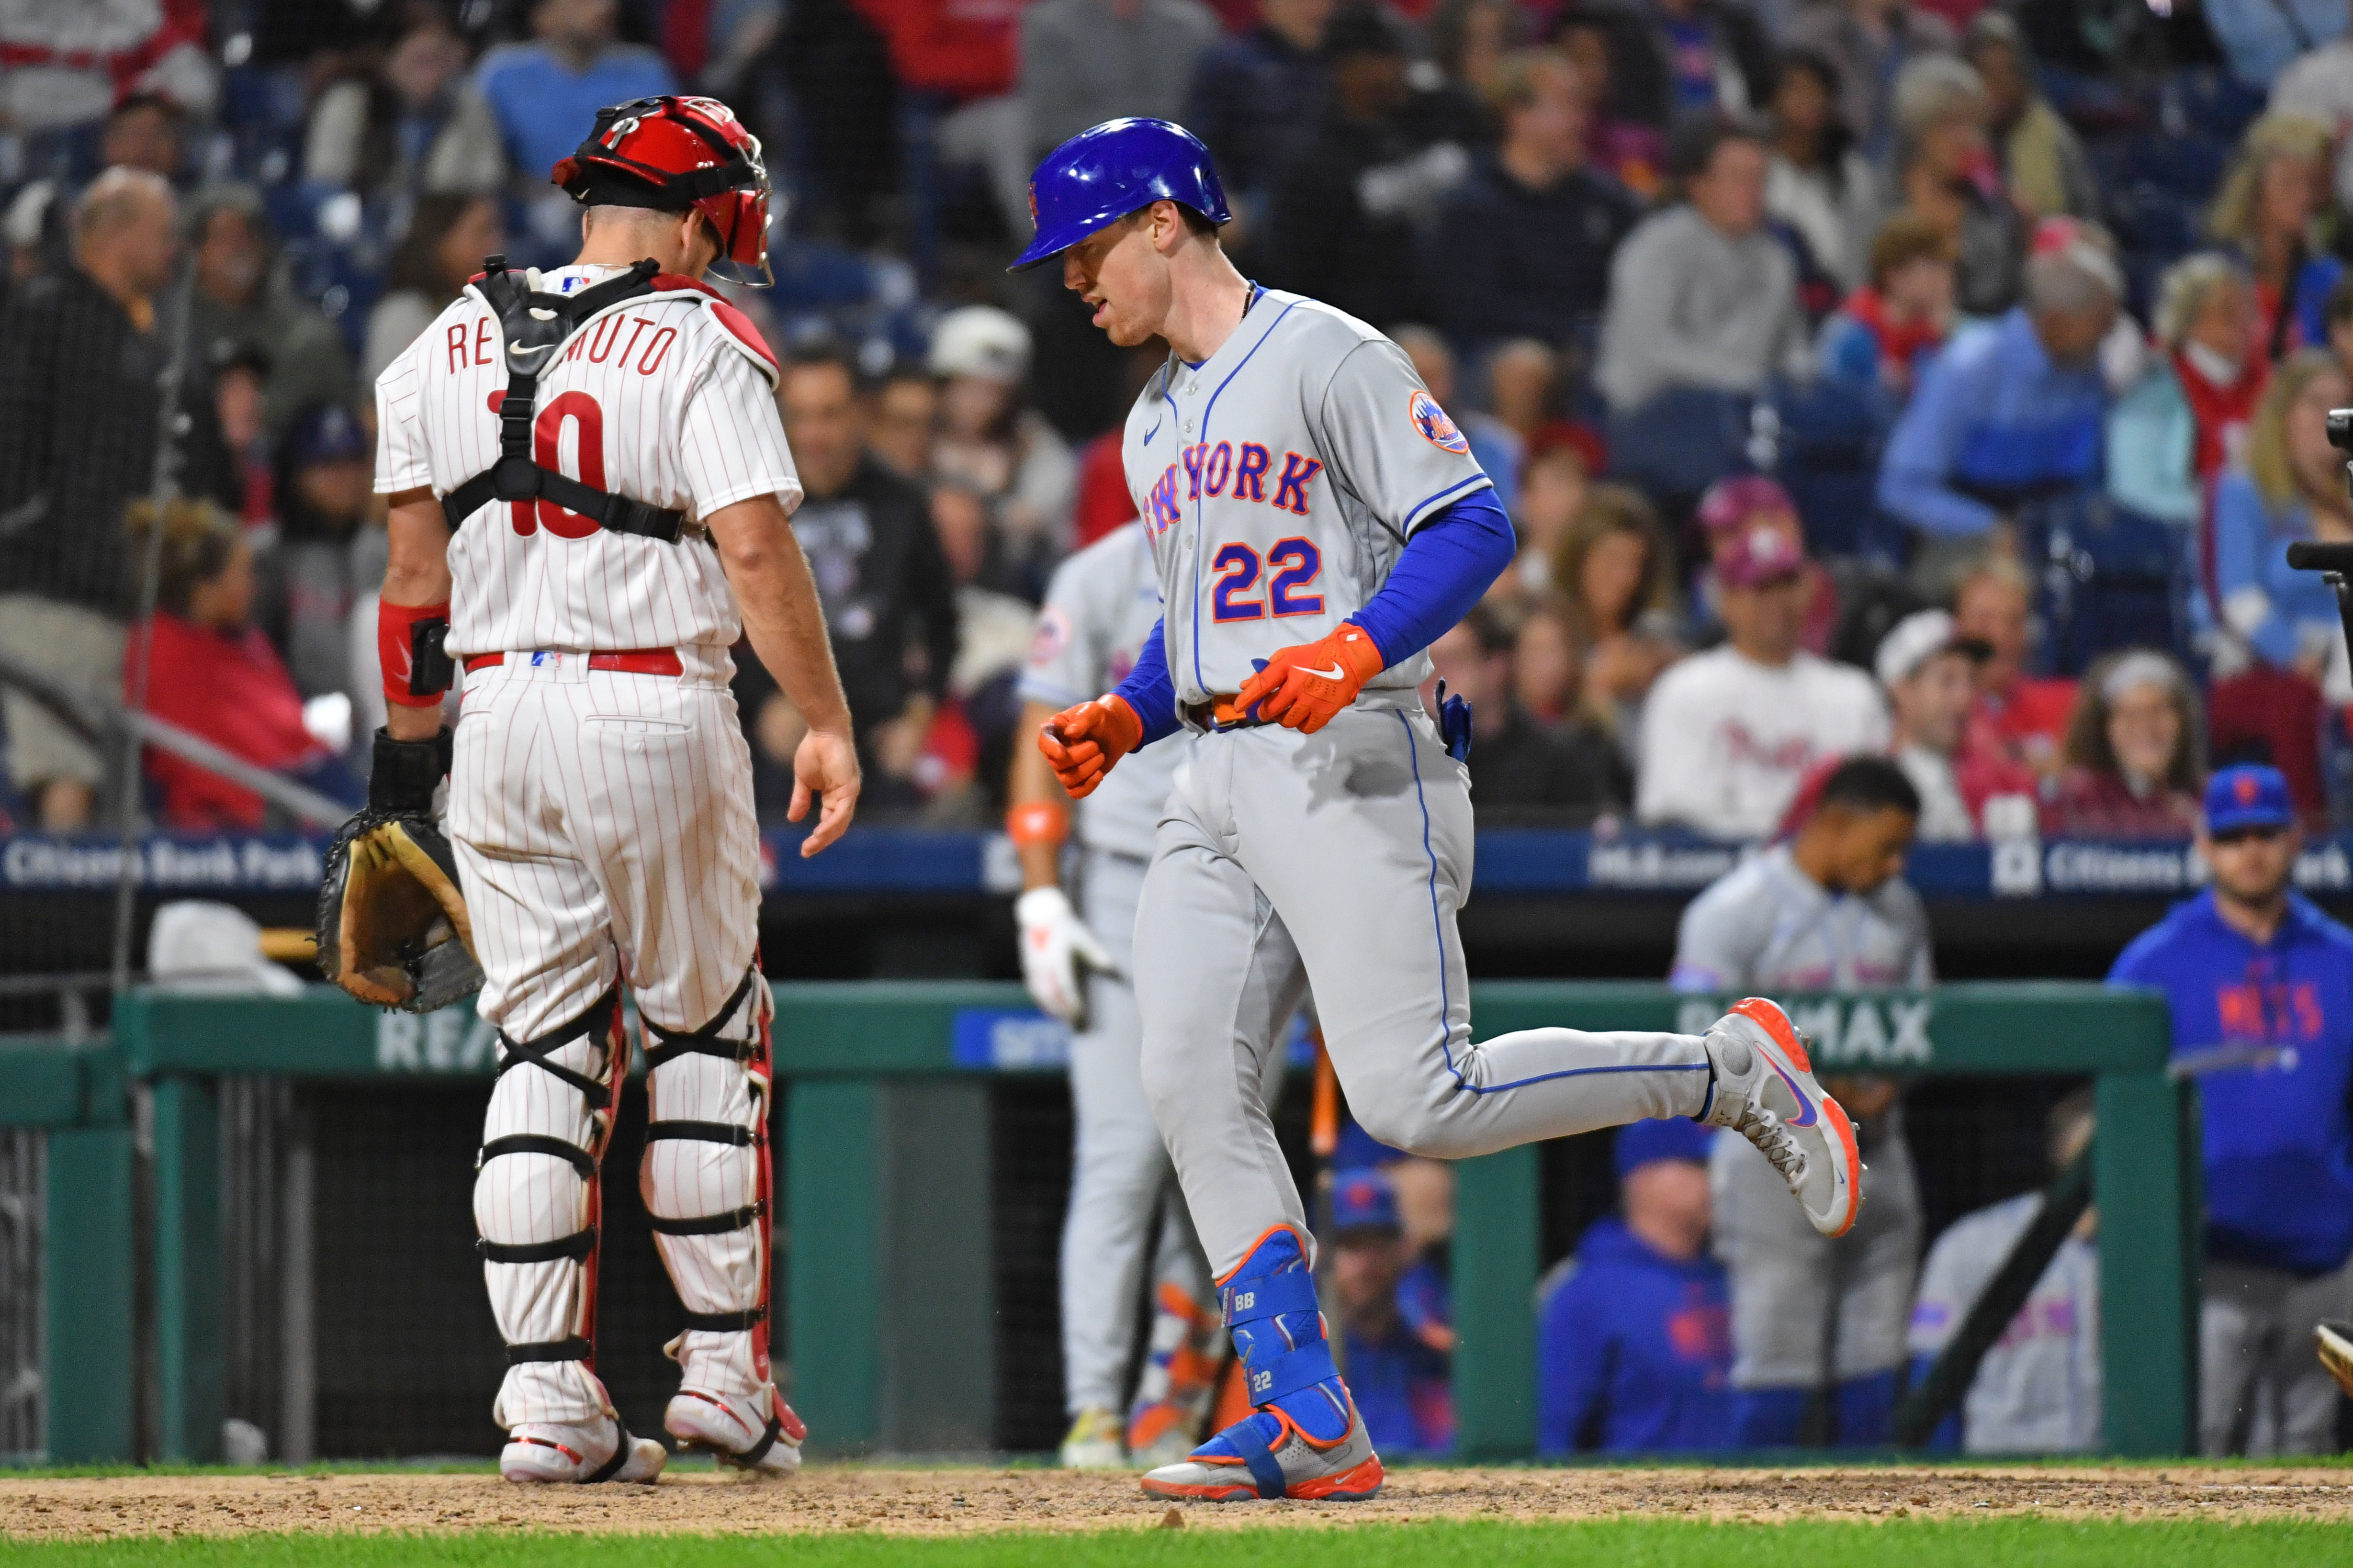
[{"x": 672, "y": 153}]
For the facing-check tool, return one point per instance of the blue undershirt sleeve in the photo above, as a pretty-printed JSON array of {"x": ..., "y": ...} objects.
[
  {"x": 1150, "y": 691},
  {"x": 1447, "y": 565}
]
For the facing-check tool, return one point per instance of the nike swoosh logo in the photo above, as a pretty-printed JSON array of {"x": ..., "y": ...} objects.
[
  {"x": 1336, "y": 673},
  {"x": 1148, "y": 434},
  {"x": 1811, "y": 1115},
  {"x": 540, "y": 349}
]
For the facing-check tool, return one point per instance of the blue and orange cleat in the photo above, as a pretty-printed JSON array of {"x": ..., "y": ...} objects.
[
  {"x": 1305, "y": 1439},
  {"x": 1765, "y": 1090}
]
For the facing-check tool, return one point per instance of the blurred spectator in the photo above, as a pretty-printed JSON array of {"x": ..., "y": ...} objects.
[
  {"x": 1553, "y": 493},
  {"x": 1702, "y": 297},
  {"x": 1728, "y": 515},
  {"x": 2290, "y": 486},
  {"x": 78, "y": 432},
  {"x": 1255, "y": 96},
  {"x": 2172, "y": 435},
  {"x": 1467, "y": 41},
  {"x": 449, "y": 236},
  {"x": 1523, "y": 249},
  {"x": 1826, "y": 909},
  {"x": 1617, "y": 574},
  {"x": 2010, "y": 411},
  {"x": 1004, "y": 450},
  {"x": 415, "y": 124},
  {"x": 2251, "y": 963},
  {"x": 2042, "y": 163},
  {"x": 1521, "y": 771},
  {"x": 2037, "y": 1390},
  {"x": 1495, "y": 445},
  {"x": 2320, "y": 87},
  {"x": 70, "y": 62},
  {"x": 1929, "y": 673},
  {"x": 544, "y": 94},
  {"x": 143, "y": 132},
  {"x": 2019, "y": 716},
  {"x": 1815, "y": 181},
  {"x": 207, "y": 670},
  {"x": 1946, "y": 172},
  {"x": 993, "y": 629},
  {"x": 1401, "y": 1378},
  {"x": 238, "y": 375},
  {"x": 1105, "y": 501},
  {"x": 1545, "y": 682},
  {"x": 1870, "y": 41},
  {"x": 1886, "y": 330},
  {"x": 1630, "y": 151},
  {"x": 1698, "y": 56},
  {"x": 1350, "y": 206},
  {"x": 244, "y": 300},
  {"x": 1727, "y": 734},
  {"x": 890, "y": 600},
  {"x": 2260, "y": 38},
  {"x": 835, "y": 60},
  {"x": 1524, "y": 394},
  {"x": 2340, "y": 324},
  {"x": 309, "y": 581},
  {"x": 1634, "y": 1332},
  {"x": 1086, "y": 61},
  {"x": 2265, "y": 213},
  {"x": 903, "y": 421},
  {"x": 2132, "y": 752}
]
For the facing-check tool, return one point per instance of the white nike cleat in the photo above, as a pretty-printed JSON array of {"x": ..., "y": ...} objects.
[
  {"x": 757, "y": 1432},
  {"x": 580, "y": 1453},
  {"x": 1765, "y": 1090}
]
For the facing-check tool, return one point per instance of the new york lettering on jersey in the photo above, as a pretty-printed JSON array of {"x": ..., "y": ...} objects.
[
  {"x": 1278, "y": 482},
  {"x": 667, "y": 398}
]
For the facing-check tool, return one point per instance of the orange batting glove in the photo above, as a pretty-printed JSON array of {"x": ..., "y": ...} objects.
[
  {"x": 1081, "y": 743},
  {"x": 1302, "y": 686}
]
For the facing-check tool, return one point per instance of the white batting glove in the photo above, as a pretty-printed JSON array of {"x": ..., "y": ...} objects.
[{"x": 1057, "y": 949}]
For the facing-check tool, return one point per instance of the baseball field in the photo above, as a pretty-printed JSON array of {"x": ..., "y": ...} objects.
[{"x": 2132, "y": 1515}]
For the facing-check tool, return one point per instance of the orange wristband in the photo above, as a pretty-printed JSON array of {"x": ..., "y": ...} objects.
[{"x": 1037, "y": 822}]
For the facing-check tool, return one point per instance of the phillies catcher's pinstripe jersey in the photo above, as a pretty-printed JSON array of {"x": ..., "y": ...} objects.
[
  {"x": 669, "y": 398},
  {"x": 1279, "y": 481},
  {"x": 1099, "y": 610}
]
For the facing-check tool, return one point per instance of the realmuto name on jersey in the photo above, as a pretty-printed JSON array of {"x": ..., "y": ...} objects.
[
  {"x": 1235, "y": 470},
  {"x": 597, "y": 344}
]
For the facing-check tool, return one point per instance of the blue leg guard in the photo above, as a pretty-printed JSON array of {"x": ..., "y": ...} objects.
[{"x": 1270, "y": 1306}]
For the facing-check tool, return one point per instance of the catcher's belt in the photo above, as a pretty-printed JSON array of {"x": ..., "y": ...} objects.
[{"x": 392, "y": 917}]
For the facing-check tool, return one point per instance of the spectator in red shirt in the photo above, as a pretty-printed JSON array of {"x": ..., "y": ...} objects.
[
  {"x": 213, "y": 674},
  {"x": 2133, "y": 768},
  {"x": 1929, "y": 673},
  {"x": 2019, "y": 716}
]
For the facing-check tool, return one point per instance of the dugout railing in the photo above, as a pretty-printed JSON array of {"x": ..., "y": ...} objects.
[{"x": 886, "y": 1309}]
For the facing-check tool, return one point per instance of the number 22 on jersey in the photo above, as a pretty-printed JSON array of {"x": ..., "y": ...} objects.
[{"x": 1295, "y": 563}]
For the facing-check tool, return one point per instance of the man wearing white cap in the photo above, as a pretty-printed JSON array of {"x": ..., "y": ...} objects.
[{"x": 1929, "y": 672}]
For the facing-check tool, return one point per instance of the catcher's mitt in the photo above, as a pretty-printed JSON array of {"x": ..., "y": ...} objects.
[
  {"x": 392, "y": 917},
  {"x": 2335, "y": 1340}
]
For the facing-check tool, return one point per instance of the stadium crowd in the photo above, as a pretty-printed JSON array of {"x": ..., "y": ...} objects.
[{"x": 1933, "y": 384}]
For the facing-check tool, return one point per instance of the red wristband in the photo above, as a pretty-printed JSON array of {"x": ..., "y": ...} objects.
[{"x": 396, "y": 626}]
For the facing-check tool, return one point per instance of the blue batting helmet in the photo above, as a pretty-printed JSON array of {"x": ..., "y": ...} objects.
[{"x": 1102, "y": 175}]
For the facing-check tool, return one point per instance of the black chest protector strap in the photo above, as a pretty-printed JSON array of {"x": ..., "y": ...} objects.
[{"x": 535, "y": 327}]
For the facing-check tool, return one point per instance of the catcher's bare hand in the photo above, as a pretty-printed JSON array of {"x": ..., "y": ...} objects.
[{"x": 825, "y": 764}]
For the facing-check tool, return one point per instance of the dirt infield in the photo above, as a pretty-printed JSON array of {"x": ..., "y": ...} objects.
[{"x": 959, "y": 1501}]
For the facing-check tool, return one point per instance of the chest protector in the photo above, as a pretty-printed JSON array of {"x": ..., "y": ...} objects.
[{"x": 535, "y": 327}]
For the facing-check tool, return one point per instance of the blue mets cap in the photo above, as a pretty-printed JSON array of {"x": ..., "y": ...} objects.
[
  {"x": 1642, "y": 1143},
  {"x": 2248, "y": 795},
  {"x": 1110, "y": 170},
  {"x": 1363, "y": 1199}
]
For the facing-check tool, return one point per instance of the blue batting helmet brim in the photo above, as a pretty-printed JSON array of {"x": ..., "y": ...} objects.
[{"x": 1110, "y": 170}]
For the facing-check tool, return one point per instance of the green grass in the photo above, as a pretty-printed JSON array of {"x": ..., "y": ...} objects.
[{"x": 2009, "y": 1543}]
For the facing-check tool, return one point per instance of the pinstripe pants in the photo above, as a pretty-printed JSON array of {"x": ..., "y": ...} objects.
[
  {"x": 1339, "y": 859},
  {"x": 603, "y": 826}
]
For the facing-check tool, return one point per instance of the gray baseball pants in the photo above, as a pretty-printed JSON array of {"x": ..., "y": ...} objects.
[{"x": 1340, "y": 860}]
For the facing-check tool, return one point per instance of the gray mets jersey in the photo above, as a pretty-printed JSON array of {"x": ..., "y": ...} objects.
[
  {"x": 1279, "y": 481},
  {"x": 1098, "y": 612},
  {"x": 1766, "y": 926}
]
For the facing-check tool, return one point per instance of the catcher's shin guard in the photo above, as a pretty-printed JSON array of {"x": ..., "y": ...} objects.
[
  {"x": 1304, "y": 1439},
  {"x": 538, "y": 1201},
  {"x": 707, "y": 1183}
]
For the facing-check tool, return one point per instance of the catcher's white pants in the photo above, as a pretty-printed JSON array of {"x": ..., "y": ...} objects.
[
  {"x": 1120, "y": 1174},
  {"x": 603, "y": 826}
]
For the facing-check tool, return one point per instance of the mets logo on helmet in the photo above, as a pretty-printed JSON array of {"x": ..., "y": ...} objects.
[{"x": 1435, "y": 426}]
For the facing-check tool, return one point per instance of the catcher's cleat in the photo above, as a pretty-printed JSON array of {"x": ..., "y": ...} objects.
[
  {"x": 735, "y": 1430},
  {"x": 1305, "y": 1439},
  {"x": 581, "y": 1454},
  {"x": 1763, "y": 1089},
  {"x": 2335, "y": 1339},
  {"x": 1093, "y": 1442}
]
